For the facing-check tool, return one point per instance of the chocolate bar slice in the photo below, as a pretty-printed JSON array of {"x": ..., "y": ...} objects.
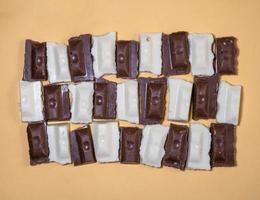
[
  {"x": 81, "y": 146},
  {"x": 222, "y": 145},
  {"x": 152, "y": 92},
  {"x": 105, "y": 99},
  {"x": 130, "y": 141},
  {"x": 127, "y": 59},
  {"x": 205, "y": 93},
  {"x": 175, "y": 54},
  {"x": 38, "y": 143},
  {"x": 176, "y": 147},
  {"x": 56, "y": 102},
  {"x": 80, "y": 59},
  {"x": 35, "y": 61}
]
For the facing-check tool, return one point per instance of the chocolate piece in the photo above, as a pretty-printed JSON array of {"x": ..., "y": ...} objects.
[
  {"x": 205, "y": 97},
  {"x": 175, "y": 54},
  {"x": 80, "y": 59},
  {"x": 127, "y": 59},
  {"x": 226, "y": 55},
  {"x": 38, "y": 143},
  {"x": 130, "y": 141},
  {"x": 222, "y": 146},
  {"x": 56, "y": 102},
  {"x": 35, "y": 61},
  {"x": 81, "y": 146},
  {"x": 105, "y": 99},
  {"x": 176, "y": 147},
  {"x": 152, "y": 92}
]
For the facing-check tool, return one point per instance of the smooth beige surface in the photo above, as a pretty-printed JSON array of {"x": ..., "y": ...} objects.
[{"x": 57, "y": 21}]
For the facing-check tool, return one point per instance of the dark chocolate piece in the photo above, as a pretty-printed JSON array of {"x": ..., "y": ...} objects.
[
  {"x": 152, "y": 92},
  {"x": 222, "y": 145},
  {"x": 56, "y": 102},
  {"x": 105, "y": 99},
  {"x": 130, "y": 141},
  {"x": 38, "y": 143},
  {"x": 175, "y": 54},
  {"x": 226, "y": 55},
  {"x": 127, "y": 59},
  {"x": 81, "y": 146},
  {"x": 35, "y": 61},
  {"x": 205, "y": 91},
  {"x": 80, "y": 59},
  {"x": 176, "y": 147}
]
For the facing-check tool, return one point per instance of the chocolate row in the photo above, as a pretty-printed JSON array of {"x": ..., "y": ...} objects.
[
  {"x": 178, "y": 146},
  {"x": 87, "y": 57}
]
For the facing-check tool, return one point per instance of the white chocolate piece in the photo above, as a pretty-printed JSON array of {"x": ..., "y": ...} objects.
[
  {"x": 82, "y": 102},
  {"x": 57, "y": 63},
  {"x": 179, "y": 99},
  {"x": 127, "y": 101},
  {"x": 58, "y": 140},
  {"x": 106, "y": 141},
  {"x": 103, "y": 52},
  {"x": 152, "y": 145},
  {"x": 228, "y": 103},
  {"x": 199, "y": 147},
  {"x": 31, "y": 101},
  {"x": 150, "y": 52},
  {"x": 201, "y": 55}
]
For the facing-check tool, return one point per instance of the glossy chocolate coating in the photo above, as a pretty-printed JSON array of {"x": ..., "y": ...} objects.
[
  {"x": 152, "y": 92},
  {"x": 38, "y": 143},
  {"x": 175, "y": 54},
  {"x": 176, "y": 147},
  {"x": 226, "y": 55},
  {"x": 130, "y": 141},
  {"x": 81, "y": 146},
  {"x": 56, "y": 102},
  {"x": 205, "y": 91},
  {"x": 35, "y": 61},
  {"x": 127, "y": 59},
  {"x": 80, "y": 59},
  {"x": 222, "y": 145},
  {"x": 105, "y": 99}
]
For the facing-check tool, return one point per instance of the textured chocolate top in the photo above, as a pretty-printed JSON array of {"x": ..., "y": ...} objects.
[{"x": 35, "y": 61}]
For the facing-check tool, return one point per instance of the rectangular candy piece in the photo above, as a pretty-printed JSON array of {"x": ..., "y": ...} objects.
[
  {"x": 81, "y": 146},
  {"x": 176, "y": 147},
  {"x": 127, "y": 59},
  {"x": 152, "y": 92},
  {"x": 205, "y": 93},
  {"x": 127, "y": 101},
  {"x": 35, "y": 61},
  {"x": 201, "y": 55},
  {"x": 58, "y": 140},
  {"x": 199, "y": 147},
  {"x": 80, "y": 59},
  {"x": 175, "y": 54},
  {"x": 82, "y": 102},
  {"x": 226, "y": 55},
  {"x": 152, "y": 145},
  {"x": 179, "y": 99},
  {"x": 228, "y": 103},
  {"x": 105, "y": 99},
  {"x": 130, "y": 141},
  {"x": 103, "y": 52},
  {"x": 106, "y": 141},
  {"x": 31, "y": 101},
  {"x": 150, "y": 52},
  {"x": 57, "y": 63},
  {"x": 222, "y": 146},
  {"x": 56, "y": 102},
  {"x": 38, "y": 143}
]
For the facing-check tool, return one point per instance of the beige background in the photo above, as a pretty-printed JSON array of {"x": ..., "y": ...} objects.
[{"x": 59, "y": 20}]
